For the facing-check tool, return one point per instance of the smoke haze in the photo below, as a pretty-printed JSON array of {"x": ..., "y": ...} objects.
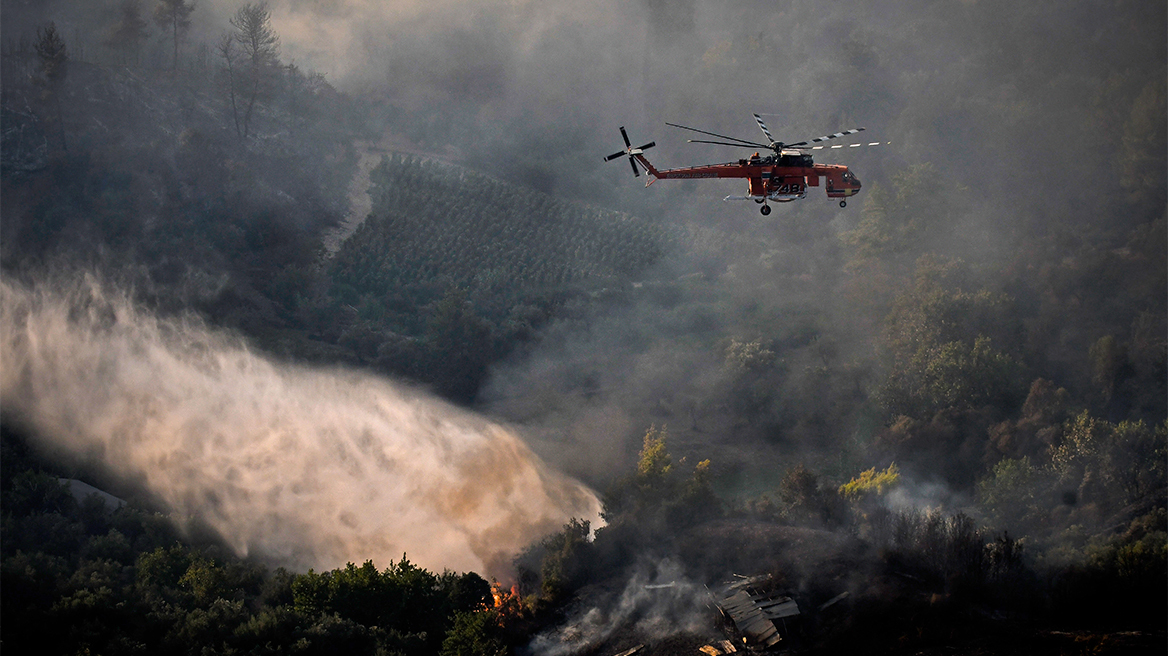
[
  {"x": 1020, "y": 119},
  {"x": 304, "y": 467},
  {"x": 658, "y": 600}
]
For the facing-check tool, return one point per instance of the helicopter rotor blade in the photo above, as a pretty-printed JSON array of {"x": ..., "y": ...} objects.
[
  {"x": 614, "y": 156},
  {"x": 715, "y": 134},
  {"x": 628, "y": 144},
  {"x": 827, "y": 136},
  {"x": 765, "y": 131},
  {"x": 646, "y": 146},
  {"x": 855, "y": 145},
  {"x": 724, "y": 143},
  {"x": 633, "y": 163}
]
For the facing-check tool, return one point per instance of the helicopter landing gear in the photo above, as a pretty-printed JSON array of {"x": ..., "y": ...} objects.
[
  {"x": 843, "y": 203},
  {"x": 765, "y": 209}
]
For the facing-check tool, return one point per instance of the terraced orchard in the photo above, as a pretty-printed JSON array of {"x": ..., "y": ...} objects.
[{"x": 434, "y": 226}]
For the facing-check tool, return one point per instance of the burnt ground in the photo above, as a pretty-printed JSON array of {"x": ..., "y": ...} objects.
[{"x": 887, "y": 609}]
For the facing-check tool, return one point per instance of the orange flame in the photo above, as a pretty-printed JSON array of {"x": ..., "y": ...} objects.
[{"x": 508, "y": 602}]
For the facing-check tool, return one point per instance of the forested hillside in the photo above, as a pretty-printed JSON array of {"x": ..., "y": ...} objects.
[
  {"x": 80, "y": 574},
  {"x": 147, "y": 175}
]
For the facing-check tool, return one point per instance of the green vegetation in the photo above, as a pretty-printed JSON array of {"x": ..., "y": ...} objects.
[
  {"x": 434, "y": 226},
  {"x": 81, "y": 576},
  {"x": 870, "y": 483},
  {"x": 663, "y": 496}
]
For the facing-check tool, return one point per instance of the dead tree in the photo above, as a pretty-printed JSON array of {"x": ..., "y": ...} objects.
[
  {"x": 259, "y": 47},
  {"x": 54, "y": 56},
  {"x": 174, "y": 16},
  {"x": 230, "y": 55},
  {"x": 128, "y": 33}
]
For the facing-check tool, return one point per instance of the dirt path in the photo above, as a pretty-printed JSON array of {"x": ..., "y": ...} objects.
[{"x": 360, "y": 204}]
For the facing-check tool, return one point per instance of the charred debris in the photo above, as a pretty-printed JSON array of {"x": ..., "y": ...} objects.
[
  {"x": 760, "y": 618},
  {"x": 745, "y": 615}
]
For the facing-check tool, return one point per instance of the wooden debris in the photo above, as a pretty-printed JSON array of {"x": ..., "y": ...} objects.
[
  {"x": 834, "y": 600},
  {"x": 753, "y": 615}
]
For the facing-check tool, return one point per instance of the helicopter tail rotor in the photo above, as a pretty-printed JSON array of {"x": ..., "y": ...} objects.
[{"x": 630, "y": 152}]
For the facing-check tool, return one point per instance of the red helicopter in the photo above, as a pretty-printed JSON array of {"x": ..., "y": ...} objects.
[{"x": 781, "y": 177}]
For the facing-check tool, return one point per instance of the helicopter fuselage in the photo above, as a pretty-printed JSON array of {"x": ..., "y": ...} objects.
[
  {"x": 777, "y": 178},
  {"x": 783, "y": 176}
]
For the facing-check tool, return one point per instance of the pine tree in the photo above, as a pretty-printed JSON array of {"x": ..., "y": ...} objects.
[
  {"x": 54, "y": 56},
  {"x": 128, "y": 33},
  {"x": 174, "y": 16},
  {"x": 259, "y": 48}
]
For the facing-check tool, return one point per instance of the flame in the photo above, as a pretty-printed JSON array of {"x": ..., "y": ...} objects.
[{"x": 508, "y": 602}]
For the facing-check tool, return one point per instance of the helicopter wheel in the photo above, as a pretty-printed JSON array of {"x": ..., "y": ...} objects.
[
  {"x": 843, "y": 203},
  {"x": 765, "y": 209}
]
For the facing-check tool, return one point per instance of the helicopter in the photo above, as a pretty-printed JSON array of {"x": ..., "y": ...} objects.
[{"x": 781, "y": 177}]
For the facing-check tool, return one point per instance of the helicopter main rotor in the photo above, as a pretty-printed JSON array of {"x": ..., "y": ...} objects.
[{"x": 776, "y": 146}]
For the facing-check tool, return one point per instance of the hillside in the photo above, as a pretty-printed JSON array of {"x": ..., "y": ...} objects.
[
  {"x": 434, "y": 227},
  {"x": 948, "y": 400}
]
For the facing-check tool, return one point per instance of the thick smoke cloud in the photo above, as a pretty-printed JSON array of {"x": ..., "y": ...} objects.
[{"x": 299, "y": 466}]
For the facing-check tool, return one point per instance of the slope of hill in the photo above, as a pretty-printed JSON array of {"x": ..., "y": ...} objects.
[{"x": 436, "y": 226}]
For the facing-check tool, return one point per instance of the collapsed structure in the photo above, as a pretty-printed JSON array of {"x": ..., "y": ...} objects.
[{"x": 752, "y": 614}]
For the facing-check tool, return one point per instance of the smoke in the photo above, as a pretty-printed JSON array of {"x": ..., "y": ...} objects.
[
  {"x": 657, "y": 601},
  {"x": 302, "y": 467},
  {"x": 470, "y": 50},
  {"x": 911, "y": 494}
]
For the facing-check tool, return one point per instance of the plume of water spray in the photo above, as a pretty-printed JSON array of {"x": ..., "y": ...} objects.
[{"x": 304, "y": 467}]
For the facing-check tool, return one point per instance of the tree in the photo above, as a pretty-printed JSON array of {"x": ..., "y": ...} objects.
[
  {"x": 901, "y": 219},
  {"x": 128, "y": 33},
  {"x": 1142, "y": 159},
  {"x": 258, "y": 47},
  {"x": 804, "y": 498},
  {"x": 54, "y": 56},
  {"x": 1108, "y": 463},
  {"x": 566, "y": 559},
  {"x": 460, "y": 346},
  {"x": 660, "y": 496},
  {"x": 870, "y": 482},
  {"x": 230, "y": 55},
  {"x": 944, "y": 341},
  {"x": 654, "y": 462},
  {"x": 475, "y": 633},
  {"x": 53, "y": 53},
  {"x": 1009, "y": 494},
  {"x": 1108, "y": 361},
  {"x": 174, "y": 16}
]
